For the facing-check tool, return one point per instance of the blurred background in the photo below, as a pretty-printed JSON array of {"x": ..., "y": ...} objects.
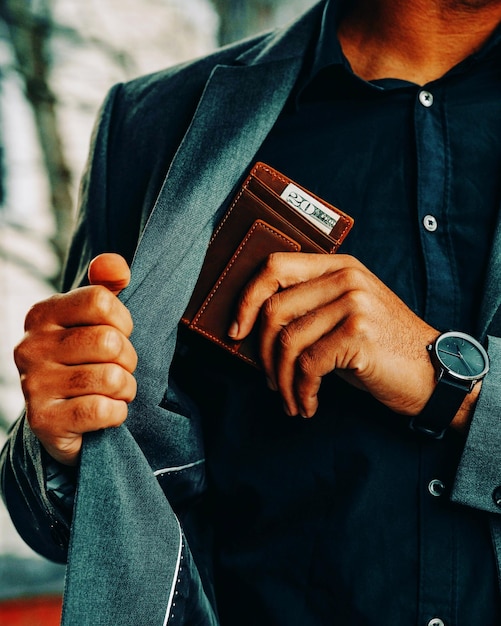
[{"x": 57, "y": 60}]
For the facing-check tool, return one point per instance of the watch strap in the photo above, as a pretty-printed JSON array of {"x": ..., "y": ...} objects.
[{"x": 440, "y": 409}]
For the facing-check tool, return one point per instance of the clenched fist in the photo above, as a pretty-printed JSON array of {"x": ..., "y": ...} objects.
[{"x": 76, "y": 361}]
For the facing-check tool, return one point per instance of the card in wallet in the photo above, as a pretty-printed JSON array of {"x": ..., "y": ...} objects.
[{"x": 270, "y": 213}]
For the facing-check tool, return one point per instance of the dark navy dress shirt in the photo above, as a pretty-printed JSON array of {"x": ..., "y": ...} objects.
[{"x": 346, "y": 518}]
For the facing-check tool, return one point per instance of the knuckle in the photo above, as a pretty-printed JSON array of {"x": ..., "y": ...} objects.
[
  {"x": 274, "y": 263},
  {"x": 119, "y": 384},
  {"x": 32, "y": 317},
  {"x": 41, "y": 312},
  {"x": 37, "y": 313},
  {"x": 350, "y": 262},
  {"x": 357, "y": 325},
  {"x": 306, "y": 363},
  {"x": 108, "y": 412},
  {"x": 97, "y": 409},
  {"x": 114, "y": 378},
  {"x": 30, "y": 386},
  {"x": 36, "y": 384},
  {"x": 271, "y": 307},
  {"x": 22, "y": 355},
  {"x": 101, "y": 300},
  {"x": 351, "y": 275},
  {"x": 357, "y": 301},
  {"x": 110, "y": 342},
  {"x": 286, "y": 340}
]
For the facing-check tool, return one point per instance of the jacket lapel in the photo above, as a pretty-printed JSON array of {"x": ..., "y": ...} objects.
[
  {"x": 219, "y": 147},
  {"x": 125, "y": 534}
]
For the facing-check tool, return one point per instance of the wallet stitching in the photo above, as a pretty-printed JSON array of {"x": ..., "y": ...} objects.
[
  {"x": 283, "y": 179},
  {"x": 228, "y": 213},
  {"x": 288, "y": 241},
  {"x": 221, "y": 224},
  {"x": 243, "y": 189},
  {"x": 291, "y": 244}
]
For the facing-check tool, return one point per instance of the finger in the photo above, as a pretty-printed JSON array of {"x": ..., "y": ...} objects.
[
  {"x": 80, "y": 415},
  {"x": 109, "y": 270},
  {"x": 312, "y": 365},
  {"x": 85, "y": 306},
  {"x": 344, "y": 350},
  {"x": 62, "y": 383},
  {"x": 302, "y": 335},
  {"x": 60, "y": 425},
  {"x": 280, "y": 271},
  {"x": 293, "y": 340},
  {"x": 94, "y": 344},
  {"x": 294, "y": 303},
  {"x": 78, "y": 345},
  {"x": 106, "y": 379}
]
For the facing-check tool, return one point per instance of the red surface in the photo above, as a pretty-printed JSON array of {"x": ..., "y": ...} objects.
[{"x": 44, "y": 611}]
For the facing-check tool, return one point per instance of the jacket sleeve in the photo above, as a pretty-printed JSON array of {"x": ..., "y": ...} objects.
[
  {"x": 478, "y": 479},
  {"x": 39, "y": 520}
]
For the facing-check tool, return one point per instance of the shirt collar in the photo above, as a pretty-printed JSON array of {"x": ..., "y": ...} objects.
[
  {"x": 328, "y": 49},
  {"x": 325, "y": 50}
]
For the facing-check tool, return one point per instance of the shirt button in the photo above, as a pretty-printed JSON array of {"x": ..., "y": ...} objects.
[
  {"x": 436, "y": 488},
  {"x": 436, "y": 621},
  {"x": 426, "y": 98},
  {"x": 496, "y": 496},
  {"x": 430, "y": 223}
]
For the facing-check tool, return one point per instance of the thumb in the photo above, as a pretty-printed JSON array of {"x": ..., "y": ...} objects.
[{"x": 111, "y": 271}]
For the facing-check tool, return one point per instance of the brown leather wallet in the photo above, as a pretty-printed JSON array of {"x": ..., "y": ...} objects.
[{"x": 270, "y": 213}]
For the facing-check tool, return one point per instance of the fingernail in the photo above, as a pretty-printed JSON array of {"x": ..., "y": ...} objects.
[{"x": 233, "y": 331}]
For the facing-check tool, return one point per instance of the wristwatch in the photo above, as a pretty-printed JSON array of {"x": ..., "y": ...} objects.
[{"x": 460, "y": 361}]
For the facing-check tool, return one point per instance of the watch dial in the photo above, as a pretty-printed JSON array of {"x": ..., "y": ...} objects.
[{"x": 461, "y": 356}]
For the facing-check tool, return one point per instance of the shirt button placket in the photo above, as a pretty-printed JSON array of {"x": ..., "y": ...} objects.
[
  {"x": 432, "y": 204},
  {"x": 426, "y": 99}
]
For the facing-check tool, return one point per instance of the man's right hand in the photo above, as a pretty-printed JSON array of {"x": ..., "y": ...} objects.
[{"x": 76, "y": 361}]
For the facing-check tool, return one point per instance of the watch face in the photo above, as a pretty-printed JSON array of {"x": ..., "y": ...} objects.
[{"x": 462, "y": 356}]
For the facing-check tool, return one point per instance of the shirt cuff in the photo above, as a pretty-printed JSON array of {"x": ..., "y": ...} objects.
[{"x": 61, "y": 483}]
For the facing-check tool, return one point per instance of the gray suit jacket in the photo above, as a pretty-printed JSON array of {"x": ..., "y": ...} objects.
[{"x": 168, "y": 152}]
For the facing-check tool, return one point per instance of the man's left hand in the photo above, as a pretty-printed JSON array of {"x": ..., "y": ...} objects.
[{"x": 321, "y": 313}]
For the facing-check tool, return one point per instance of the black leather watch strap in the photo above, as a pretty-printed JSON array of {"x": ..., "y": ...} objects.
[{"x": 440, "y": 410}]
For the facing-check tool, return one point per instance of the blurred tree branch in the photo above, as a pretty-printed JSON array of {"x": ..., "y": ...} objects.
[
  {"x": 29, "y": 36},
  {"x": 30, "y": 28}
]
